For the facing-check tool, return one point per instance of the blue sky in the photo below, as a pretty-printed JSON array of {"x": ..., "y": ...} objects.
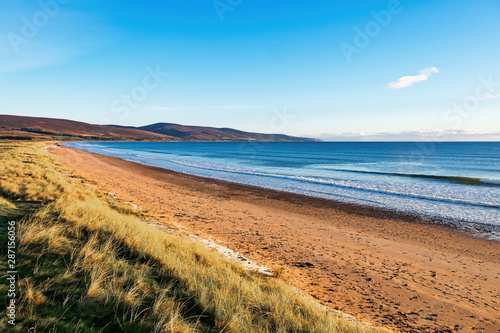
[{"x": 343, "y": 70}]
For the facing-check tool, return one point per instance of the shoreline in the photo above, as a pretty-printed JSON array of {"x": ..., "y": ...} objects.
[
  {"x": 378, "y": 265},
  {"x": 472, "y": 229}
]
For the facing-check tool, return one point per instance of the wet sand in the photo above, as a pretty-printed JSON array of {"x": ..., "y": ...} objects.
[{"x": 379, "y": 266}]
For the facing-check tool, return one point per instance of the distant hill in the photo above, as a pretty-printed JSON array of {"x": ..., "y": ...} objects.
[
  {"x": 33, "y": 128},
  {"x": 200, "y": 133}
]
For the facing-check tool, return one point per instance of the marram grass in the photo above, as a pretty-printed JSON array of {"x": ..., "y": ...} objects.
[{"x": 88, "y": 266}]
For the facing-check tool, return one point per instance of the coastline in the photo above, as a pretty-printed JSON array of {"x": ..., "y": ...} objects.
[
  {"x": 380, "y": 266},
  {"x": 449, "y": 206}
]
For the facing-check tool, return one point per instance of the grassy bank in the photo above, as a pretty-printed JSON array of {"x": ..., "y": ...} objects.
[{"x": 85, "y": 265}]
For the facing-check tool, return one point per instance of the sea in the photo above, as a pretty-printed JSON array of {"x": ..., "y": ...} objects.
[{"x": 452, "y": 183}]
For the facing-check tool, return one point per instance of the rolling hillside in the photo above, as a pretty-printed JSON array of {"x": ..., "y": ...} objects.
[
  {"x": 33, "y": 128},
  {"x": 199, "y": 133}
]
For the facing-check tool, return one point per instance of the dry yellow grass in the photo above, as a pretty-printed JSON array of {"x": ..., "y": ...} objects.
[
  {"x": 6, "y": 204},
  {"x": 127, "y": 275}
]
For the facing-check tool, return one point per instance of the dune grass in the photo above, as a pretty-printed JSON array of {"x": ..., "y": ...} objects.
[{"x": 86, "y": 265}]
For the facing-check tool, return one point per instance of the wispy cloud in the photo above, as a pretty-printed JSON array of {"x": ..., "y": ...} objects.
[
  {"x": 422, "y": 135},
  {"x": 409, "y": 80},
  {"x": 236, "y": 107},
  {"x": 169, "y": 108},
  {"x": 486, "y": 97},
  {"x": 52, "y": 43},
  {"x": 46, "y": 55},
  {"x": 212, "y": 107}
]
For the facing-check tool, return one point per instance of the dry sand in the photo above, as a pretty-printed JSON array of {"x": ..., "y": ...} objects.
[{"x": 376, "y": 265}]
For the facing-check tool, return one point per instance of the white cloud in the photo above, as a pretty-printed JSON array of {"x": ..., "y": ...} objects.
[
  {"x": 409, "y": 80},
  {"x": 422, "y": 135}
]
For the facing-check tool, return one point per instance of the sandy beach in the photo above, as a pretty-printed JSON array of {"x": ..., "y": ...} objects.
[{"x": 379, "y": 266}]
